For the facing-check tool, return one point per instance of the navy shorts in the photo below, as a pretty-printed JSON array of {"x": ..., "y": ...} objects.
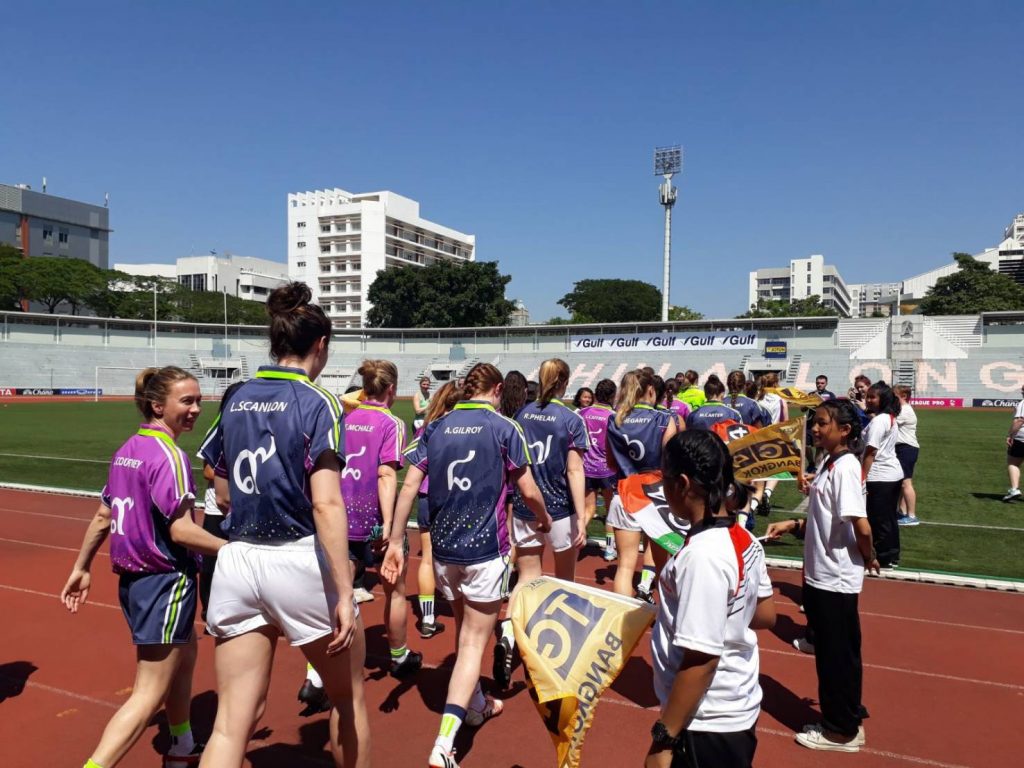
[
  {"x": 160, "y": 608},
  {"x": 907, "y": 457},
  {"x": 423, "y": 513},
  {"x": 598, "y": 484},
  {"x": 1016, "y": 449}
]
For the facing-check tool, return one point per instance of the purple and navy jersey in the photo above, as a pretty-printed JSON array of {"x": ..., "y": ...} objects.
[
  {"x": 711, "y": 413},
  {"x": 636, "y": 444},
  {"x": 149, "y": 478},
  {"x": 679, "y": 408},
  {"x": 595, "y": 461},
  {"x": 467, "y": 455},
  {"x": 266, "y": 442},
  {"x": 551, "y": 432},
  {"x": 373, "y": 436},
  {"x": 750, "y": 412}
]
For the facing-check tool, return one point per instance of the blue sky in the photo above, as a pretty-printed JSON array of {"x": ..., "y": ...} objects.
[{"x": 882, "y": 135}]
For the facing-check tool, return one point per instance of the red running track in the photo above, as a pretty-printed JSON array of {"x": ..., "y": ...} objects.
[{"x": 943, "y": 680}]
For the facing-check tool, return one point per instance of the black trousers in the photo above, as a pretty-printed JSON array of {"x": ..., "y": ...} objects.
[
  {"x": 704, "y": 749},
  {"x": 836, "y": 623},
  {"x": 883, "y": 511},
  {"x": 211, "y": 524}
]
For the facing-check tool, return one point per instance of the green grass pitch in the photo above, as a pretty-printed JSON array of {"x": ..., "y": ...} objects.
[{"x": 960, "y": 478}]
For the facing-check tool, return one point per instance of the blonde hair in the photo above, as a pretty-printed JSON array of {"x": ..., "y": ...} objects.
[
  {"x": 554, "y": 375},
  {"x": 482, "y": 377},
  {"x": 444, "y": 400},
  {"x": 153, "y": 385},
  {"x": 633, "y": 386},
  {"x": 378, "y": 375}
]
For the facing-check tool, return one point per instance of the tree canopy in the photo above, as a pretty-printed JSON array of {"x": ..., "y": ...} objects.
[
  {"x": 445, "y": 294},
  {"x": 812, "y": 306},
  {"x": 683, "y": 313},
  {"x": 973, "y": 288},
  {"x": 612, "y": 301}
]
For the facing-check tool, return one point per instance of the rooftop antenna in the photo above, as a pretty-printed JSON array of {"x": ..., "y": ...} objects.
[
  {"x": 106, "y": 199},
  {"x": 44, "y": 185},
  {"x": 667, "y": 161}
]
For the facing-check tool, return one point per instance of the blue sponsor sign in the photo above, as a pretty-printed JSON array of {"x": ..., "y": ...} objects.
[{"x": 775, "y": 349}]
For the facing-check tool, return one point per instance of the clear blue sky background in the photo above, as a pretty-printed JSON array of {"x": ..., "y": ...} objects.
[{"x": 882, "y": 135}]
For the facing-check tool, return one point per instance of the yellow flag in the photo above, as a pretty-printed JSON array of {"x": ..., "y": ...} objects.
[
  {"x": 352, "y": 400},
  {"x": 574, "y": 641},
  {"x": 795, "y": 396},
  {"x": 769, "y": 451}
]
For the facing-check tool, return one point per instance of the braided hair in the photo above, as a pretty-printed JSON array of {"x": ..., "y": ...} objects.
[{"x": 703, "y": 458}]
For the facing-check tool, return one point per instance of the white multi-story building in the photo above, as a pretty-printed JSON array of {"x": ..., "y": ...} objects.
[
  {"x": 243, "y": 276},
  {"x": 804, "y": 278},
  {"x": 338, "y": 242},
  {"x": 873, "y": 299}
]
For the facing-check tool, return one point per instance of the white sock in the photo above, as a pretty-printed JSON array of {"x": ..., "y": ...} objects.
[
  {"x": 427, "y": 608},
  {"x": 313, "y": 676},
  {"x": 646, "y": 578},
  {"x": 507, "y": 633},
  {"x": 182, "y": 743},
  {"x": 451, "y": 721},
  {"x": 754, "y": 504},
  {"x": 768, "y": 493}
]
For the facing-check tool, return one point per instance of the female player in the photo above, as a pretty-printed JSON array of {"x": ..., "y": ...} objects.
[
  {"x": 674, "y": 403},
  {"x": 690, "y": 393},
  {"x": 600, "y": 478},
  {"x": 584, "y": 398},
  {"x": 468, "y": 455},
  {"x": 285, "y": 569},
  {"x": 907, "y": 450},
  {"x": 737, "y": 399},
  {"x": 715, "y": 593},
  {"x": 441, "y": 403},
  {"x": 420, "y": 402},
  {"x": 713, "y": 410},
  {"x": 374, "y": 443},
  {"x": 634, "y": 441},
  {"x": 147, "y": 512},
  {"x": 883, "y": 472},
  {"x": 837, "y": 550}
]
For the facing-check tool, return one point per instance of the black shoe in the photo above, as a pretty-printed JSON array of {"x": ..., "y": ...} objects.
[
  {"x": 645, "y": 595},
  {"x": 428, "y": 629},
  {"x": 410, "y": 666},
  {"x": 502, "y": 663},
  {"x": 765, "y": 507},
  {"x": 314, "y": 697}
]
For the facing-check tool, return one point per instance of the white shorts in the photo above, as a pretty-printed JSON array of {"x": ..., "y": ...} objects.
[
  {"x": 619, "y": 518},
  {"x": 485, "y": 582},
  {"x": 559, "y": 538},
  {"x": 285, "y": 586}
]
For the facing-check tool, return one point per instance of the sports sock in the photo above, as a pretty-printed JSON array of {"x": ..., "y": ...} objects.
[
  {"x": 741, "y": 519},
  {"x": 451, "y": 720},
  {"x": 768, "y": 493},
  {"x": 398, "y": 655},
  {"x": 646, "y": 578},
  {"x": 477, "y": 701},
  {"x": 507, "y": 633},
  {"x": 427, "y": 608},
  {"x": 609, "y": 539},
  {"x": 181, "y": 739},
  {"x": 90, "y": 763},
  {"x": 313, "y": 676}
]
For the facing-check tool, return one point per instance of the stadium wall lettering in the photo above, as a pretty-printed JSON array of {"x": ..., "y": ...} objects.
[
  {"x": 47, "y": 392},
  {"x": 938, "y": 402},
  {"x": 628, "y": 342}
]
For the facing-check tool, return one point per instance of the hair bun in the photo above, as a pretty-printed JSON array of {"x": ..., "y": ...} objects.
[{"x": 288, "y": 298}]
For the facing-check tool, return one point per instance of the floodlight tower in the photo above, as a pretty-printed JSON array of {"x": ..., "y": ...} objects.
[{"x": 667, "y": 161}]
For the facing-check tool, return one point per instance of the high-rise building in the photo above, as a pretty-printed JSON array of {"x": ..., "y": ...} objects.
[
  {"x": 338, "y": 242},
  {"x": 804, "y": 278},
  {"x": 874, "y": 299},
  {"x": 39, "y": 224}
]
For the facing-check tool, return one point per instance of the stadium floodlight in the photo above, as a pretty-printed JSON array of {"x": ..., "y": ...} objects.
[{"x": 667, "y": 161}]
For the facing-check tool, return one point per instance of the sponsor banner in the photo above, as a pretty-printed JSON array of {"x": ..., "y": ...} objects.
[
  {"x": 775, "y": 349},
  {"x": 574, "y": 641},
  {"x": 644, "y": 342},
  {"x": 46, "y": 392},
  {"x": 767, "y": 452},
  {"x": 938, "y": 402},
  {"x": 994, "y": 402},
  {"x": 796, "y": 397}
]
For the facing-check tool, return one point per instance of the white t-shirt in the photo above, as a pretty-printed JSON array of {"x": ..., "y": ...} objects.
[
  {"x": 907, "y": 424},
  {"x": 773, "y": 404},
  {"x": 881, "y": 435},
  {"x": 1019, "y": 414},
  {"x": 832, "y": 561},
  {"x": 706, "y": 606}
]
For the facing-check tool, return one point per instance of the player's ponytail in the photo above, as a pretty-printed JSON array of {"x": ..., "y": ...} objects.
[
  {"x": 631, "y": 390},
  {"x": 153, "y": 385},
  {"x": 554, "y": 375},
  {"x": 295, "y": 323},
  {"x": 378, "y": 377}
]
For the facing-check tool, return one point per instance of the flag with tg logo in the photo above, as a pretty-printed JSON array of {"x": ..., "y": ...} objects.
[{"x": 574, "y": 641}]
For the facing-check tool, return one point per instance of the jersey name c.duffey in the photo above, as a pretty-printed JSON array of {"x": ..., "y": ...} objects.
[
  {"x": 636, "y": 443},
  {"x": 551, "y": 432},
  {"x": 373, "y": 436}
]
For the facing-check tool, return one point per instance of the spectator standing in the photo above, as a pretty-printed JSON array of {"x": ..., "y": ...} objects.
[
  {"x": 883, "y": 472},
  {"x": 1015, "y": 451},
  {"x": 907, "y": 450}
]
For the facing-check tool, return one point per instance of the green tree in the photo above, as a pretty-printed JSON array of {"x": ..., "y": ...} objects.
[
  {"x": 10, "y": 262},
  {"x": 683, "y": 313},
  {"x": 973, "y": 288},
  {"x": 444, "y": 294},
  {"x": 46, "y": 280},
  {"x": 612, "y": 301},
  {"x": 558, "y": 321},
  {"x": 812, "y": 306}
]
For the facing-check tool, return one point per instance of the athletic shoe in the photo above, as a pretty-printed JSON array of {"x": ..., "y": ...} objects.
[
  {"x": 362, "y": 595},
  {"x": 314, "y": 697},
  {"x": 502, "y": 663},
  {"x": 441, "y": 759},
  {"x": 408, "y": 666},
  {"x": 1013, "y": 493},
  {"x": 645, "y": 595},
  {"x": 765, "y": 507},
  {"x": 609, "y": 554},
  {"x": 817, "y": 739},
  {"x": 184, "y": 761},
  {"x": 803, "y": 645},
  {"x": 492, "y": 708},
  {"x": 860, "y": 740},
  {"x": 908, "y": 521},
  {"x": 428, "y": 629}
]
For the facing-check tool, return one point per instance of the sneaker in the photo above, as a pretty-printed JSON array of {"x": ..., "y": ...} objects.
[
  {"x": 502, "y": 663},
  {"x": 860, "y": 740},
  {"x": 765, "y": 507},
  {"x": 609, "y": 554},
  {"x": 909, "y": 521},
  {"x": 803, "y": 645},
  {"x": 409, "y": 666},
  {"x": 492, "y": 708},
  {"x": 1013, "y": 493},
  {"x": 314, "y": 697},
  {"x": 184, "y": 761},
  {"x": 362, "y": 595},
  {"x": 816, "y": 738},
  {"x": 645, "y": 595},
  {"x": 441, "y": 759},
  {"x": 428, "y": 629}
]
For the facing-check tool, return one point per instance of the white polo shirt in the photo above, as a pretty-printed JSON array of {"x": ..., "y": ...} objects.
[
  {"x": 881, "y": 435},
  {"x": 707, "y": 606},
  {"x": 832, "y": 561}
]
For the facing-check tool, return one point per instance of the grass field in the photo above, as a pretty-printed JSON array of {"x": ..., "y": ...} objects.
[{"x": 960, "y": 478}]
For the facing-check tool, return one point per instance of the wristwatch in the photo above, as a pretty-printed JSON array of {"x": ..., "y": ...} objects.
[{"x": 661, "y": 736}]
